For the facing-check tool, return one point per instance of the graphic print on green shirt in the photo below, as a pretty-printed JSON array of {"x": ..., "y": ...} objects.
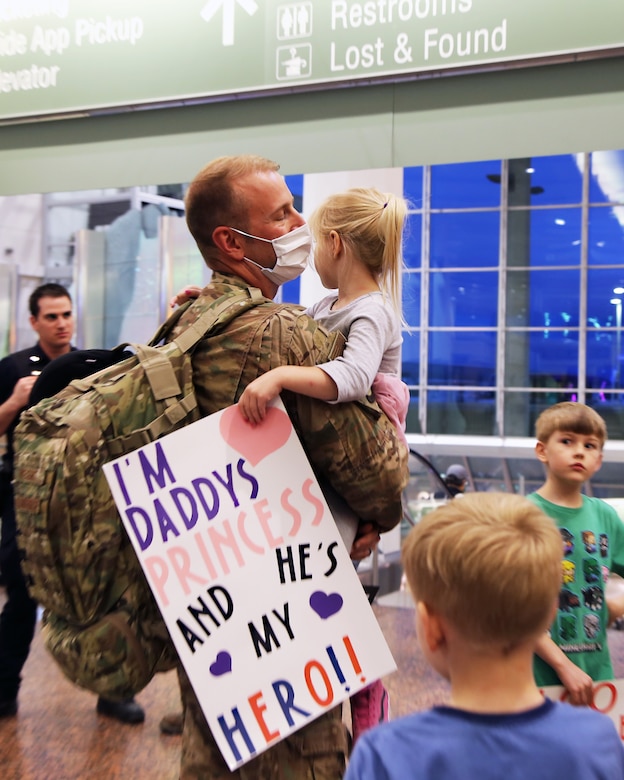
[{"x": 593, "y": 546}]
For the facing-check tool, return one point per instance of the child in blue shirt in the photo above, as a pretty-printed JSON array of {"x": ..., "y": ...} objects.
[{"x": 485, "y": 573}]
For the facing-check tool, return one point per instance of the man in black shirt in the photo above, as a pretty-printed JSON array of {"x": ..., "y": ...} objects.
[{"x": 51, "y": 317}]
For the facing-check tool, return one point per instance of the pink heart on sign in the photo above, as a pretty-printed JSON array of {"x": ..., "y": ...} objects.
[{"x": 255, "y": 442}]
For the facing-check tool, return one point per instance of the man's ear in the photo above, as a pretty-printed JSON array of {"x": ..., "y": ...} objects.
[
  {"x": 229, "y": 242},
  {"x": 434, "y": 635}
]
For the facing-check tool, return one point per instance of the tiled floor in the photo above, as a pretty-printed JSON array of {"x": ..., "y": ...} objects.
[{"x": 58, "y": 735}]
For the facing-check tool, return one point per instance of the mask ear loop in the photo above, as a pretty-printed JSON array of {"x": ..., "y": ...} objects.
[{"x": 258, "y": 238}]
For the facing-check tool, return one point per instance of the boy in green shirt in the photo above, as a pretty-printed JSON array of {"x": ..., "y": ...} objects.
[{"x": 574, "y": 653}]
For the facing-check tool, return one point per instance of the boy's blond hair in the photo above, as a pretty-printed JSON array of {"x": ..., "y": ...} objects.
[
  {"x": 573, "y": 417},
  {"x": 490, "y": 563}
]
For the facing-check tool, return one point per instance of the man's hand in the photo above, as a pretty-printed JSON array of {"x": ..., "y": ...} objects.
[
  {"x": 15, "y": 402},
  {"x": 21, "y": 391},
  {"x": 365, "y": 542},
  {"x": 258, "y": 394}
]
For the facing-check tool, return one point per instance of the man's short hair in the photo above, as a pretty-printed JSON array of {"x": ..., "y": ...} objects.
[
  {"x": 211, "y": 200},
  {"x": 573, "y": 417},
  {"x": 48, "y": 290},
  {"x": 490, "y": 564}
]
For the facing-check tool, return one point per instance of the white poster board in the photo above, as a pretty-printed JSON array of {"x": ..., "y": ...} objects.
[
  {"x": 258, "y": 592},
  {"x": 608, "y": 698}
]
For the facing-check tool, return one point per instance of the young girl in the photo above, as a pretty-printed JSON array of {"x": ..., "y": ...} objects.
[{"x": 358, "y": 253}]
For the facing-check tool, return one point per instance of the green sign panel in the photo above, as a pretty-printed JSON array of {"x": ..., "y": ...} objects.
[{"x": 73, "y": 56}]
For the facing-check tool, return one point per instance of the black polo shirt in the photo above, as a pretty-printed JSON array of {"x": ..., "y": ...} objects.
[{"x": 12, "y": 368}]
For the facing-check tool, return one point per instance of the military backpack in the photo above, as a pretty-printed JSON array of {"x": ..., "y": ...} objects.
[{"x": 101, "y": 622}]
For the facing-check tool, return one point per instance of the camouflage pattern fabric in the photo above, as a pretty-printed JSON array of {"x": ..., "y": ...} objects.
[
  {"x": 353, "y": 446},
  {"x": 101, "y": 622},
  {"x": 316, "y": 752}
]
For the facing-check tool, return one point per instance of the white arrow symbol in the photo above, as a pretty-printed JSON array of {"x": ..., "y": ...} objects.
[{"x": 212, "y": 6}]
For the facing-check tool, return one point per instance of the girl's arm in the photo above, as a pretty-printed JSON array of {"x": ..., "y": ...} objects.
[
  {"x": 305, "y": 380},
  {"x": 371, "y": 336},
  {"x": 346, "y": 378}
]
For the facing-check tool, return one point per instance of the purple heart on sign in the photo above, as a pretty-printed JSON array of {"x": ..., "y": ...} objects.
[
  {"x": 325, "y": 604},
  {"x": 222, "y": 664}
]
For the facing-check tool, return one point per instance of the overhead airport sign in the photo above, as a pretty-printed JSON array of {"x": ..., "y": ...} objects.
[{"x": 60, "y": 57}]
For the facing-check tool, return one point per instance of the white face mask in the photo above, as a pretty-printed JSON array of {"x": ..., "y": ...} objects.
[{"x": 293, "y": 251}]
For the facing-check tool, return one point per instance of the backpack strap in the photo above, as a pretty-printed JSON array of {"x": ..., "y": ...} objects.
[
  {"x": 222, "y": 311},
  {"x": 169, "y": 324},
  {"x": 219, "y": 310},
  {"x": 158, "y": 369},
  {"x": 161, "y": 375}
]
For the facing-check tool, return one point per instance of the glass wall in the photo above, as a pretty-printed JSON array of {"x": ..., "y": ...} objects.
[
  {"x": 512, "y": 288},
  {"x": 513, "y": 292}
]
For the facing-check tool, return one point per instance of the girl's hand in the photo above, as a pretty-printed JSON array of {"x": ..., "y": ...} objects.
[
  {"x": 186, "y": 294},
  {"x": 257, "y": 396}
]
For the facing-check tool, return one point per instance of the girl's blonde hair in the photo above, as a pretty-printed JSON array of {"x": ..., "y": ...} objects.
[{"x": 370, "y": 223}]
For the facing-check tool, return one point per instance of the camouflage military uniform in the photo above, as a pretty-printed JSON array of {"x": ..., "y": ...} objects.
[
  {"x": 353, "y": 446},
  {"x": 316, "y": 752}
]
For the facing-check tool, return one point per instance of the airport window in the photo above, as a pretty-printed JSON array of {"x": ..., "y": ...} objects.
[
  {"x": 411, "y": 358},
  {"x": 462, "y": 358},
  {"x": 603, "y": 303},
  {"x": 452, "y": 412},
  {"x": 413, "y": 186},
  {"x": 512, "y": 290},
  {"x": 605, "y": 244},
  {"x": 605, "y": 182},
  {"x": 546, "y": 181},
  {"x": 467, "y": 185},
  {"x": 554, "y": 238},
  {"x": 291, "y": 291},
  {"x": 463, "y": 299},
  {"x": 523, "y": 284},
  {"x": 604, "y": 363},
  {"x": 412, "y": 244},
  {"x": 542, "y": 358},
  {"x": 535, "y": 300},
  {"x": 411, "y": 299},
  {"x": 464, "y": 239}
]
